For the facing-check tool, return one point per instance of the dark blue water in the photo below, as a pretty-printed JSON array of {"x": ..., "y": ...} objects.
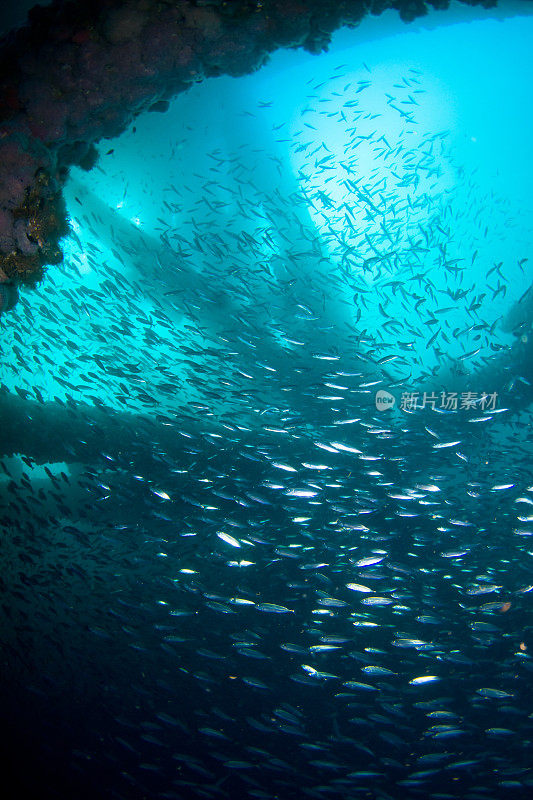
[{"x": 267, "y": 505}]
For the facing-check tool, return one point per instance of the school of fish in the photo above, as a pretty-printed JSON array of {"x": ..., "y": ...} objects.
[{"x": 316, "y": 599}]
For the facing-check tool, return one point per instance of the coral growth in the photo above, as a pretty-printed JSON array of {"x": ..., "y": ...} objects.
[{"x": 38, "y": 223}]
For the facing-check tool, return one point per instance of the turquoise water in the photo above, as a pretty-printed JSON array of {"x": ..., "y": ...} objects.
[
  {"x": 228, "y": 570},
  {"x": 463, "y": 160}
]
